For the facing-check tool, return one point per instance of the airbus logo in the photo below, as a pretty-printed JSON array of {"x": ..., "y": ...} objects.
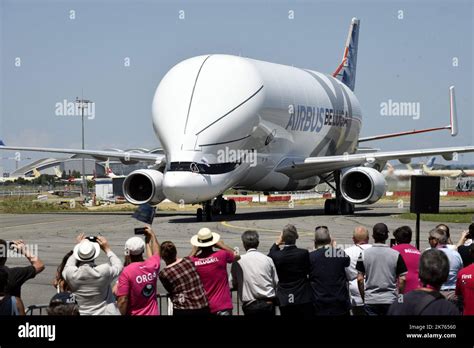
[{"x": 312, "y": 119}]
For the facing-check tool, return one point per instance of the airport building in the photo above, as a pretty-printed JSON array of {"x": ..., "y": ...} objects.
[{"x": 52, "y": 165}]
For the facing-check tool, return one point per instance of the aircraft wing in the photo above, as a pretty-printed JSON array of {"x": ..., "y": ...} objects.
[
  {"x": 123, "y": 156},
  {"x": 318, "y": 165}
]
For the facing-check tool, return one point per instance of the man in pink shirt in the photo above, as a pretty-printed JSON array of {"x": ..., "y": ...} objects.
[
  {"x": 410, "y": 255},
  {"x": 136, "y": 289},
  {"x": 211, "y": 266}
]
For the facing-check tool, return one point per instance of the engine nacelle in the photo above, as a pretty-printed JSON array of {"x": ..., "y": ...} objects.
[
  {"x": 363, "y": 185},
  {"x": 144, "y": 186}
]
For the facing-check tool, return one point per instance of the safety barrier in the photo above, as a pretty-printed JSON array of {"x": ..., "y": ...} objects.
[{"x": 163, "y": 303}]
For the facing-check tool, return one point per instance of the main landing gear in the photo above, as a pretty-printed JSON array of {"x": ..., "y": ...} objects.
[
  {"x": 338, "y": 205},
  {"x": 218, "y": 206}
]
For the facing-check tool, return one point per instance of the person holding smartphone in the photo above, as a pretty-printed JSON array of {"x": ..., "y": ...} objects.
[
  {"x": 89, "y": 282},
  {"x": 136, "y": 288}
]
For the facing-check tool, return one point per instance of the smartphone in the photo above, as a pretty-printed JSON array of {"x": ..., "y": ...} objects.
[
  {"x": 393, "y": 242},
  {"x": 140, "y": 230}
]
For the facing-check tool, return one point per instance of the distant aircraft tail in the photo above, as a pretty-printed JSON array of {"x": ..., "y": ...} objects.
[
  {"x": 428, "y": 167},
  {"x": 36, "y": 174},
  {"x": 58, "y": 172},
  {"x": 346, "y": 71},
  {"x": 2, "y": 143},
  {"x": 431, "y": 162},
  {"x": 108, "y": 171}
]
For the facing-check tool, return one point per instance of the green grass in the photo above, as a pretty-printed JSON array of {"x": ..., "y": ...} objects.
[
  {"x": 456, "y": 216},
  {"x": 23, "y": 205}
]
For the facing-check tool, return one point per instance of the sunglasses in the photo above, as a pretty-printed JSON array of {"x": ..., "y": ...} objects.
[{"x": 317, "y": 228}]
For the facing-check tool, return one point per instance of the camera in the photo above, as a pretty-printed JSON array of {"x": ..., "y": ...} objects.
[
  {"x": 140, "y": 230},
  {"x": 92, "y": 239}
]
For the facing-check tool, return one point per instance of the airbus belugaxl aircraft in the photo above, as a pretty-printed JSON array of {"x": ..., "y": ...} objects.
[{"x": 234, "y": 122}]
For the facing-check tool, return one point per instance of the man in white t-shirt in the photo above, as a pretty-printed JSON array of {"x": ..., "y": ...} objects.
[{"x": 361, "y": 242}]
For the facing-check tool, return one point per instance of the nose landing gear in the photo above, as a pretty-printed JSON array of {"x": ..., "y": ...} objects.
[{"x": 220, "y": 205}]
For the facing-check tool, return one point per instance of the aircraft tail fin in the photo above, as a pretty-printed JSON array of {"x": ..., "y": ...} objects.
[
  {"x": 346, "y": 71},
  {"x": 431, "y": 162},
  {"x": 58, "y": 172},
  {"x": 36, "y": 173}
]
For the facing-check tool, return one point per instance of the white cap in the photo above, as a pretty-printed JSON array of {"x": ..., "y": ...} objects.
[{"x": 134, "y": 246}]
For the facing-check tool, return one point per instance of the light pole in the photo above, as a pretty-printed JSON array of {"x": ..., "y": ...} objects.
[{"x": 82, "y": 104}]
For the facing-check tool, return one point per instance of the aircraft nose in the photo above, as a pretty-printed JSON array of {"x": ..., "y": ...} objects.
[{"x": 188, "y": 187}]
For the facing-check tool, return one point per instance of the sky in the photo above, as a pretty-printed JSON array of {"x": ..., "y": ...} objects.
[{"x": 50, "y": 51}]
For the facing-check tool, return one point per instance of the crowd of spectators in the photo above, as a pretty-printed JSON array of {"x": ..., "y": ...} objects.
[{"x": 362, "y": 279}]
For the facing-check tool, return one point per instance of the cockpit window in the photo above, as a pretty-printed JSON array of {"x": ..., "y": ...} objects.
[{"x": 202, "y": 168}]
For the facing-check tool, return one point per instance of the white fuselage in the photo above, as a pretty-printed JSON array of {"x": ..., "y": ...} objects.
[{"x": 207, "y": 108}]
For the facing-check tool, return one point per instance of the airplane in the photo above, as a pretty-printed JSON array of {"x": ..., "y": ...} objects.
[
  {"x": 393, "y": 172},
  {"x": 71, "y": 179},
  {"x": 452, "y": 173},
  {"x": 36, "y": 174},
  {"x": 108, "y": 171},
  {"x": 227, "y": 121},
  {"x": 108, "y": 174}
]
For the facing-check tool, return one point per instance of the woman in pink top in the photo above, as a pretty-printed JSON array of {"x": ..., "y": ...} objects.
[
  {"x": 211, "y": 266},
  {"x": 410, "y": 255}
]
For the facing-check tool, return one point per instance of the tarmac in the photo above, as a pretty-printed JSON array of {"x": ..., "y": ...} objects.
[{"x": 54, "y": 233}]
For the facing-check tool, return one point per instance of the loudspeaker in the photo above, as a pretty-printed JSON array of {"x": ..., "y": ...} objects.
[{"x": 424, "y": 194}]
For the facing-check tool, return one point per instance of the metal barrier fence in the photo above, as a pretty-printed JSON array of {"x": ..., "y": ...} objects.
[{"x": 163, "y": 302}]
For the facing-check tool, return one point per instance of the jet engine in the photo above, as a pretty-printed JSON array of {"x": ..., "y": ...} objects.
[
  {"x": 363, "y": 185},
  {"x": 144, "y": 186}
]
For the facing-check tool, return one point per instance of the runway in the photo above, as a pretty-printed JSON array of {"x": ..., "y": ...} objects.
[{"x": 55, "y": 233}]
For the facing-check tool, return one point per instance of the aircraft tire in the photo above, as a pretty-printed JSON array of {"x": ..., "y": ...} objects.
[
  {"x": 209, "y": 214},
  {"x": 199, "y": 215},
  {"x": 232, "y": 207},
  {"x": 224, "y": 207}
]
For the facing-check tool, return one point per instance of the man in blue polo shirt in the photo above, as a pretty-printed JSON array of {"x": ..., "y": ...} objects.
[{"x": 439, "y": 240}]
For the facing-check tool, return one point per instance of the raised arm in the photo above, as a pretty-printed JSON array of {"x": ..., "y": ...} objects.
[
  {"x": 116, "y": 265},
  {"x": 35, "y": 261},
  {"x": 151, "y": 242},
  {"x": 221, "y": 245}
]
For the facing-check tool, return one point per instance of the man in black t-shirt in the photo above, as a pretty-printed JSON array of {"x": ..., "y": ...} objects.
[
  {"x": 17, "y": 276},
  {"x": 427, "y": 300},
  {"x": 328, "y": 276}
]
